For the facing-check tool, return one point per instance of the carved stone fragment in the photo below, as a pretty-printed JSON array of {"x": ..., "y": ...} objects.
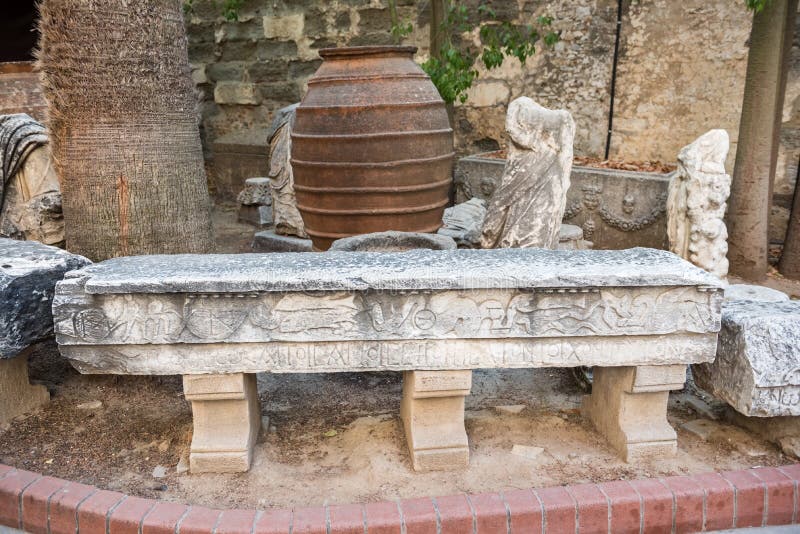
[
  {"x": 464, "y": 223},
  {"x": 698, "y": 195},
  {"x": 284, "y": 207},
  {"x": 392, "y": 241},
  {"x": 757, "y": 369},
  {"x": 255, "y": 202},
  {"x": 30, "y": 195},
  {"x": 528, "y": 205}
]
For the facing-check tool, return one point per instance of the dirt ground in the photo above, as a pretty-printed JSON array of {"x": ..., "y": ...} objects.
[{"x": 337, "y": 438}]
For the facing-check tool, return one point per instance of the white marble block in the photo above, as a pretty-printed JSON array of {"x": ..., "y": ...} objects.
[{"x": 757, "y": 369}]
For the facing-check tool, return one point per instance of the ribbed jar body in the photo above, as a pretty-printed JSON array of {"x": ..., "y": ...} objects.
[{"x": 372, "y": 147}]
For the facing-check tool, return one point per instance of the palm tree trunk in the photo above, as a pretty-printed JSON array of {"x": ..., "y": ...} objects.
[
  {"x": 757, "y": 149},
  {"x": 123, "y": 126}
]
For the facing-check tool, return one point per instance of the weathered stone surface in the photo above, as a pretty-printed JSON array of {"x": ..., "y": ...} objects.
[
  {"x": 420, "y": 309},
  {"x": 464, "y": 223},
  {"x": 628, "y": 405},
  {"x": 269, "y": 241},
  {"x": 757, "y": 369},
  {"x": 570, "y": 237},
  {"x": 255, "y": 202},
  {"x": 615, "y": 209},
  {"x": 17, "y": 395},
  {"x": 698, "y": 196},
  {"x": 256, "y": 192},
  {"x": 432, "y": 411},
  {"x": 236, "y": 93},
  {"x": 28, "y": 275},
  {"x": 418, "y": 269},
  {"x": 287, "y": 217},
  {"x": 237, "y": 157},
  {"x": 31, "y": 207},
  {"x": 752, "y": 292},
  {"x": 227, "y": 419},
  {"x": 392, "y": 241},
  {"x": 528, "y": 205}
]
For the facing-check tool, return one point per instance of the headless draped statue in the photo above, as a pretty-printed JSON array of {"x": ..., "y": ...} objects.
[{"x": 527, "y": 207}]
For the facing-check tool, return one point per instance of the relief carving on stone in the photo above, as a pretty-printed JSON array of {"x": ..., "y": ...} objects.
[{"x": 342, "y": 316}]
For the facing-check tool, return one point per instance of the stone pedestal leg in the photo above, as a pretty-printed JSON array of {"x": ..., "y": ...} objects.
[
  {"x": 17, "y": 395},
  {"x": 628, "y": 405},
  {"x": 433, "y": 417},
  {"x": 227, "y": 418}
]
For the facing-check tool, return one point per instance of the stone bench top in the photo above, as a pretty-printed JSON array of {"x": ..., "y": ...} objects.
[{"x": 402, "y": 271}]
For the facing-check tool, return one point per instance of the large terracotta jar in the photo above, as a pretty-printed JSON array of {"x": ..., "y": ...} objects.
[{"x": 372, "y": 147}]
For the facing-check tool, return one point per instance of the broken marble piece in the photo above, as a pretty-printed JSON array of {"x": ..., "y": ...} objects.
[
  {"x": 392, "y": 241},
  {"x": 464, "y": 222},
  {"x": 753, "y": 292},
  {"x": 28, "y": 275},
  {"x": 527, "y": 208},
  {"x": 757, "y": 369},
  {"x": 698, "y": 196},
  {"x": 255, "y": 202},
  {"x": 30, "y": 196},
  {"x": 270, "y": 241},
  {"x": 284, "y": 203}
]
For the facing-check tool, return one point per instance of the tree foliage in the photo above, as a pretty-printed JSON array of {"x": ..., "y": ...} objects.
[
  {"x": 757, "y": 5},
  {"x": 452, "y": 69}
]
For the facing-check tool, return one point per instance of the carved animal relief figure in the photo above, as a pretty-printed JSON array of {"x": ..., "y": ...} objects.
[
  {"x": 698, "y": 195},
  {"x": 528, "y": 205}
]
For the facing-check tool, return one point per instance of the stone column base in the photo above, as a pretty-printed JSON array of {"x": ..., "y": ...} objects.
[
  {"x": 628, "y": 405},
  {"x": 17, "y": 395},
  {"x": 227, "y": 419},
  {"x": 433, "y": 417}
]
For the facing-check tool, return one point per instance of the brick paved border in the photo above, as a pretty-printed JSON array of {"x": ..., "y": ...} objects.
[{"x": 753, "y": 497}]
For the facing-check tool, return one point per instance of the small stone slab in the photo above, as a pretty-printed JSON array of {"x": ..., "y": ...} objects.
[
  {"x": 392, "y": 242},
  {"x": 28, "y": 275},
  {"x": 753, "y": 292},
  {"x": 757, "y": 370},
  {"x": 269, "y": 241}
]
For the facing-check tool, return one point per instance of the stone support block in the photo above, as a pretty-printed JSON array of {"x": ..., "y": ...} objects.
[
  {"x": 432, "y": 411},
  {"x": 628, "y": 405},
  {"x": 17, "y": 395},
  {"x": 227, "y": 420}
]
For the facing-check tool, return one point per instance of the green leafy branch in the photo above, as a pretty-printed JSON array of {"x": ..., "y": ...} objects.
[
  {"x": 757, "y": 5},
  {"x": 229, "y": 8},
  {"x": 452, "y": 69}
]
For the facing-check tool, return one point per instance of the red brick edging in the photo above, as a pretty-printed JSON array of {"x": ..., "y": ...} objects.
[{"x": 754, "y": 497}]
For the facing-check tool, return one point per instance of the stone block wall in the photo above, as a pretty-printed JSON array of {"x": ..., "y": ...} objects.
[
  {"x": 680, "y": 71},
  {"x": 245, "y": 70}
]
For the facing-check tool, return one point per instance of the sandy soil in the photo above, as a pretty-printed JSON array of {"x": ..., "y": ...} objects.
[{"x": 337, "y": 438}]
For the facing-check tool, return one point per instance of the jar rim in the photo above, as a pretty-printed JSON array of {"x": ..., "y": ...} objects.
[{"x": 363, "y": 51}]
